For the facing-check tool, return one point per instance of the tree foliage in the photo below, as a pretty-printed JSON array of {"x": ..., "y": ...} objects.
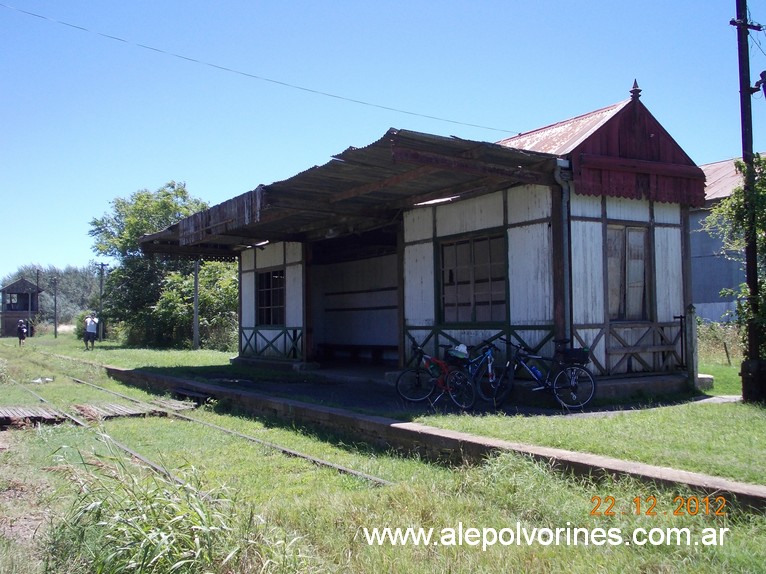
[
  {"x": 134, "y": 287},
  {"x": 218, "y": 297},
  {"x": 118, "y": 233},
  {"x": 729, "y": 221}
]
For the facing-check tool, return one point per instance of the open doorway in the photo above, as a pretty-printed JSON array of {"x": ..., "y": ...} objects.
[{"x": 354, "y": 298}]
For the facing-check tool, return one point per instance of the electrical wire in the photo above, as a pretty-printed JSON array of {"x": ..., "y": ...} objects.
[
  {"x": 255, "y": 76},
  {"x": 755, "y": 41}
]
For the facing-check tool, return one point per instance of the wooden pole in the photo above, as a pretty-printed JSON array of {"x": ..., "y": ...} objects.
[
  {"x": 753, "y": 379},
  {"x": 195, "y": 343},
  {"x": 55, "y": 308},
  {"x": 100, "y": 324}
]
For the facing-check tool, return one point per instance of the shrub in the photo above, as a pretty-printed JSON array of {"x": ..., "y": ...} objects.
[{"x": 719, "y": 342}]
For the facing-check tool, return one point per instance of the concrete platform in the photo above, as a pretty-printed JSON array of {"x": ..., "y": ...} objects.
[{"x": 414, "y": 438}]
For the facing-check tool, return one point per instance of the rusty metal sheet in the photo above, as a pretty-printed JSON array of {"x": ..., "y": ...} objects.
[
  {"x": 722, "y": 178},
  {"x": 562, "y": 137},
  {"x": 358, "y": 190}
]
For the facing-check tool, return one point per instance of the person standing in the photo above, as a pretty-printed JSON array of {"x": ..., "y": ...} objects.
[
  {"x": 21, "y": 330},
  {"x": 91, "y": 328}
]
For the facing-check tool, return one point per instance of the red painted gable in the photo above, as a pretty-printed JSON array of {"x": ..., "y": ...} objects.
[{"x": 620, "y": 151}]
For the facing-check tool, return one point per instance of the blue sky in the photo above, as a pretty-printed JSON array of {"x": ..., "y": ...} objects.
[{"x": 85, "y": 118}]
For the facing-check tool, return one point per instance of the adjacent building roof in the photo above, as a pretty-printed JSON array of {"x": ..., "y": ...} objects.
[
  {"x": 21, "y": 286},
  {"x": 722, "y": 179}
]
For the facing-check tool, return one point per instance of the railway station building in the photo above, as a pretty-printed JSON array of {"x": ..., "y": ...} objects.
[{"x": 577, "y": 230}]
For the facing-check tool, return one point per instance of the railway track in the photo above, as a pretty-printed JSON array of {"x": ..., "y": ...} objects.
[
  {"x": 82, "y": 423},
  {"x": 170, "y": 409}
]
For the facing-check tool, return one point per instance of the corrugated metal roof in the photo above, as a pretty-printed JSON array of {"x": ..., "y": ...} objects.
[
  {"x": 361, "y": 189},
  {"x": 21, "y": 286},
  {"x": 562, "y": 137},
  {"x": 722, "y": 178}
]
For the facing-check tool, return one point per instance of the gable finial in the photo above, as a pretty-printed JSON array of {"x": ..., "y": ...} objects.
[{"x": 635, "y": 93}]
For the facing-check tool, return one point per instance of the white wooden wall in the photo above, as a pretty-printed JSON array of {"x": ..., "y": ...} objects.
[
  {"x": 247, "y": 289},
  {"x": 668, "y": 262},
  {"x": 419, "y": 282},
  {"x": 356, "y": 302},
  {"x": 530, "y": 260},
  {"x": 484, "y": 212},
  {"x": 588, "y": 295},
  {"x": 524, "y": 212},
  {"x": 280, "y": 254}
]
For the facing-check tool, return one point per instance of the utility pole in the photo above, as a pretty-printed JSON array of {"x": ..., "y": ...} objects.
[
  {"x": 100, "y": 324},
  {"x": 55, "y": 282},
  {"x": 753, "y": 368},
  {"x": 195, "y": 327}
]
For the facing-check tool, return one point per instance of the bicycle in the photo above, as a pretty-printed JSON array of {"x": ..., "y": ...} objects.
[
  {"x": 418, "y": 383},
  {"x": 480, "y": 369},
  {"x": 567, "y": 378}
]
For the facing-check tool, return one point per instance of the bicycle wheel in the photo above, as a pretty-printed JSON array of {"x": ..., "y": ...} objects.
[
  {"x": 504, "y": 387},
  {"x": 461, "y": 389},
  {"x": 574, "y": 387},
  {"x": 484, "y": 387},
  {"x": 415, "y": 385}
]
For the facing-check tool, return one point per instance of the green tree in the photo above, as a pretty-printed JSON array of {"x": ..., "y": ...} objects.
[
  {"x": 134, "y": 286},
  {"x": 218, "y": 298},
  {"x": 118, "y": 233},
  {"x": 728, "y": 220}
]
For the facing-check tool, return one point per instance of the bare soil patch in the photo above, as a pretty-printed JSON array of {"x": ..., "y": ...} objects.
[{"x": 21, "y": 515}]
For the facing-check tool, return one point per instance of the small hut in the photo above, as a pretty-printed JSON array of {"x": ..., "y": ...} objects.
[{"x": 20, "y": 301}]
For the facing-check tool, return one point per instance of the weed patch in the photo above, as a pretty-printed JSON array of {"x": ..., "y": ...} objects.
[{"x": 126, "y": 520}]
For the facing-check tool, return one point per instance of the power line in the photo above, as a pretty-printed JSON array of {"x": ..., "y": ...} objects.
[
  {"x": 754, "y": 26},
  {"x": 255, "y": 76},
  {"x": 757, "y": 42}
]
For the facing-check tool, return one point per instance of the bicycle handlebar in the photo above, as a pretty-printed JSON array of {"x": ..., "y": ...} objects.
[{"x": 525, "y": 352}]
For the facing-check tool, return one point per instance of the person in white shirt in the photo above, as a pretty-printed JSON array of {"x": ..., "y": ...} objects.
[{"x": 91, "y": 328}]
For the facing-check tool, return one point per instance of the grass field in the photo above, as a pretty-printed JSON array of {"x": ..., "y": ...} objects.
[{"x": 314, "y": 520}]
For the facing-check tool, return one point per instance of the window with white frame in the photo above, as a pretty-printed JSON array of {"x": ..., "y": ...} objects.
[
  {"x": 627, "y": 272},
  {"x": 474, "y": 279}
]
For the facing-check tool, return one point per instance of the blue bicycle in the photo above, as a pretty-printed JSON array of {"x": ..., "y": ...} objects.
[
  {"x": 488, "y": 382},
  {"x": 566, "y": 377}
]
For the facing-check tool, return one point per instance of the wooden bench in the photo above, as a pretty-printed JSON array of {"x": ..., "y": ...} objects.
[{"x": 356, "y": 352}]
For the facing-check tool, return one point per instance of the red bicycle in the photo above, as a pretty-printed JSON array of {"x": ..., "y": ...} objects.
[{"x": 433, "y": 376}]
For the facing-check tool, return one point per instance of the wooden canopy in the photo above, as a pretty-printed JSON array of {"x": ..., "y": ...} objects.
[{"x": 359, "y": 190}]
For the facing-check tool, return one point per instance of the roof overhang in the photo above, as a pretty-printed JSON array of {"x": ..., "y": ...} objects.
[{"x": 359, "y": 190}]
